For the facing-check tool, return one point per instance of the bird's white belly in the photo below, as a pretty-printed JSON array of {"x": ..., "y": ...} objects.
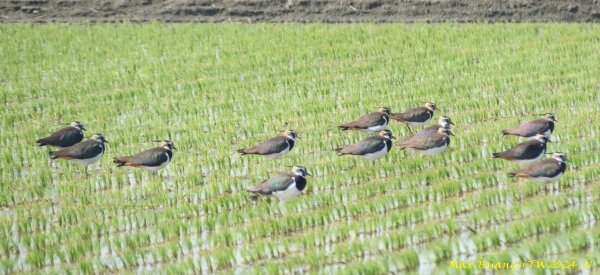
[
  {"x": 546, "y": 180},
  {"x": 86, "y": 162},
  {"x": 376, "y": 155},
  {"x": 280, "y": 154},
  {"x": 434, "y": 151},
  {"x": 288, "y": 193},
  {"x": 525, "y": 161}
]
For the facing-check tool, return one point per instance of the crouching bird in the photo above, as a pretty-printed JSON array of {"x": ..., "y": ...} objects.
[
  {"x": 526, "y": 152},
  {"x": 85, "y": 153},
  {"x": 274, "y": 147},
  {"x": 369, "y": 123},
  {"x": 283, "y": 185},
  {"x": 372, "y": 148},
  {"x": 151, "y": 159},
  {"x": 64, "y": 137},
  {"x": 545, "y": 171}
]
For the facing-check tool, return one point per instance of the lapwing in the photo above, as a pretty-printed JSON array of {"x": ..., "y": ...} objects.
[
  {"x": 64, "y": 137},
  {"x": 275, "y": 147},
  {"x": 372, "y": 148},
  {"x": 151, "y": 159},
  {"x": 415, "y": 116},
  {"x": 526, "y": 152},
  {"x": 283, "y": 185},
  {"x": 430, "y": 144},
  {"x": 371, "y": 123},
  {"x": 443, "y": 122},
  {"x": 543, "y": 126},
  {"x": 84, "y": 153},
  {"x": 545, "y": 171}
]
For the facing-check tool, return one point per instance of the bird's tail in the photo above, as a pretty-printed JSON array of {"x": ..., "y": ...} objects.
[
  {"x": 344, "y": 127},
  {"x": 242, "y": 151},
  {"x": 119, "y": 161},
  {"x": 40, "y": 142},
  {"x": 512, "y": 174},
  {"x": 338, "y": 150},
  {"x": 506, "y": 132}
]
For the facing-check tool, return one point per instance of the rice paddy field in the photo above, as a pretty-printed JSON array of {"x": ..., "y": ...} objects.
[{"x": 215, "y": 88}]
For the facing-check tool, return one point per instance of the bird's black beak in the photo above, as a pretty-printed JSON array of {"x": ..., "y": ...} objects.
[
  {"x": 452, "y": 123},
  {"x": 452, "y": 134},
  {"x": 555, "y": 120},
  {"x": 393, "y": 137},
  {"x": 83, "y": 128},
  {"x": 106, "y": 141},
  {"x": 308, "y": 174},
  {"x": 298, "y": 136},
  {"x": 174, "y": 148}
]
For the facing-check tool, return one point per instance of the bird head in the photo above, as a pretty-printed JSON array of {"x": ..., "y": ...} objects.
[
  {"x": 386, "y": 134},
  {"x": 445, "y": 121},
  {"x": 77, "y": 125},
  {"x": 99, "y": 138},
  {"x": 300, "y": 171},
  {"x": 384, "y": 109},
  {"x": 430, "y": 106},
  {"x": 560, "y": 157},
  {"x": 167, "y": 144},
  {"x": 550, "y": 117},
  {"x": 445, "y": 132},
  {"x": 291, "y": 134}
]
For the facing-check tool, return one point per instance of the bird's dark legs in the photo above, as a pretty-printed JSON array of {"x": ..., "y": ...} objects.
[
  {"x": 85, "y": 168},
  {"x": 409, "y": 130}
]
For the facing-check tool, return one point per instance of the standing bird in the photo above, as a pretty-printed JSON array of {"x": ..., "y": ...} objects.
[
  {"x": 371, "y": 123},
  {"x": 526, "y": 152},
  {"x": 443, "y": 122},
  {"x": 543, "y": 126},
  {"x": 372, "y": 148},
  {"x": 84, "y": 153},
  {"x": 415, "y": 116},
  {"x": 275, "y": 147},
  {"x": 549, "y": 170},
  {"x": 430, "y": 144},
  {"x": 151, "y": 159},
  {"x": 283, "y": 185},
  {"x": 64, "y": 137}
]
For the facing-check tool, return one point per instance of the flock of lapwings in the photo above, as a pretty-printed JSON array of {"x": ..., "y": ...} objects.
[{"x": 431, "y": 140}]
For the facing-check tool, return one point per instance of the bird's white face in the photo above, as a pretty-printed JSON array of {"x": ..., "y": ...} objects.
[
  {"x": 550, "y": 117},
  {"x": 384, "y": 110},
  {"x": 167, "y": 144},
  {"x": 77, "y": 125},
  {"x": 386, "y": 134},
  {"x": 445, "y": 131},
  {"x": 99, "y": 138},
  {"x": 300, "y": 171},
  {"x": 540, "y": 138},
  {"x": 444, "y": 121},
  {"x": 561, "y": 157},
  {"x": 430, "y": 106},
  {"x": 290, "y": 134}
]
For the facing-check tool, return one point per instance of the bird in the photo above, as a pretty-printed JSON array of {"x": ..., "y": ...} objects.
[
  {"x": 283, "y": 185},
  {"x": 151, "y": 159},
  {"x": 443, "y": 122},
  {"x": 545, "y": 171},
  {"x": 544, "y": 126},
  {"x": 85, "y": 153},
  {"x": 526, "y": 152},
  {"x": 370, "y": 123},
  {"x": 275, "y": 147},
  {"x": 64, "y": 137},
  {"x": 372, "y": 148},
  {"x": 431, "y": 144},
  {"x": 415, "y": 116}
]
